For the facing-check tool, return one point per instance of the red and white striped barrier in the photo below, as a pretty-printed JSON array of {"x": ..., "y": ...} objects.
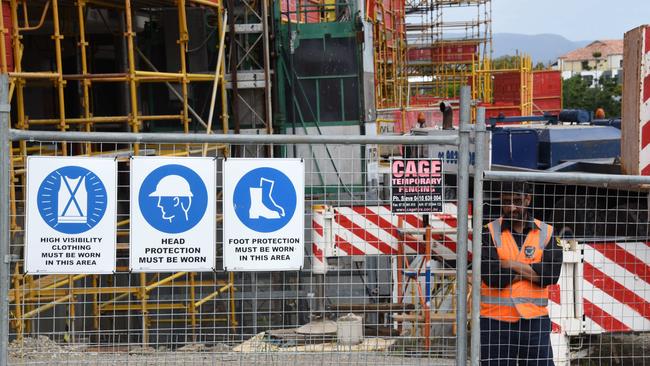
[
  {"x": 374, "y": 230},
  {"x": 616, "y": 287},
  {"x": 604, "y": 287}
]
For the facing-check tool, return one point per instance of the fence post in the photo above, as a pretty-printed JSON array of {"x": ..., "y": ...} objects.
[
  {"x": 463, "y": 198},
  {"x": 477, "y": 234},
  {"x": 5, "y": 174}
]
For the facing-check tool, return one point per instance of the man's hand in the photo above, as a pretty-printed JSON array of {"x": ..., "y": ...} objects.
[
  {"x": 517, "y": 266},
  {"x": 508, "y": 264},
  {"x": 523, "y": 271}
]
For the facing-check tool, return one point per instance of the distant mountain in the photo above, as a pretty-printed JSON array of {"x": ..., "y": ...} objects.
[{"x": 541, "y": 47}]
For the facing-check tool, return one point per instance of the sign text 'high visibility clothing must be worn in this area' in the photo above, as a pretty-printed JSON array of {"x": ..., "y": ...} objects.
[
  {"x": 263, "y": 208},
  {"x": 71, "y": 215}
]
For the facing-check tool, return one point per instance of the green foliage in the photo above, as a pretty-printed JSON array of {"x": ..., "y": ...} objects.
[
  {"x": 512, "y": 62},
  {"x": 452, "y": 90},
  {"x": 539, "y": 66},
  {"x": 506, "y": 62},
  {"x": 577, "y": 93}
]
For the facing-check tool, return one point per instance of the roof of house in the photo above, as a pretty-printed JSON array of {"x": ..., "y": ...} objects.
[{"x": 605, "y": 47}]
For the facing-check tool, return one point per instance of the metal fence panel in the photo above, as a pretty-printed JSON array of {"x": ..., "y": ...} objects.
[
  {"x": 597, "y": 309},
  {"x": 359, "y": 259}
]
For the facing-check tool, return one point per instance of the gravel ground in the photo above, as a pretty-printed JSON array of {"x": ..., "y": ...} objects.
[
  {"x": 43, "y": 351},
  {"x": 613, "y": 350},
  {"x": 226, "y": 359}
]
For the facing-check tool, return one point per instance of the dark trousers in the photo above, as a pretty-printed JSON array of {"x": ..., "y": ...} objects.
[{"x": 526, "y": 342}]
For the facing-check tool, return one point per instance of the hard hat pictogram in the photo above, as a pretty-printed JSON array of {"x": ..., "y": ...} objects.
[
  {"x": 173, "y": 198},
  {"x": 172, "y": 186}
]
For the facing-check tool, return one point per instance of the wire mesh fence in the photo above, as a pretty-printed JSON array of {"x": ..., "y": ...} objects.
[
  {"x": 374, "y": 287},
  {"x": 368, "y": 292},
  {"x": 591, "y": 273}
]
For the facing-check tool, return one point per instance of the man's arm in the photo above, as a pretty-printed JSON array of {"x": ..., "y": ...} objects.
[
  {"x": 544, "y": 273},
  {"x": 549, "y": 268},
  {"x": 524, "y": 271},
  {"x": 493, "y": 274}
]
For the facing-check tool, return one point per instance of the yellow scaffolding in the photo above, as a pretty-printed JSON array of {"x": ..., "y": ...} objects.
[
  {"x": 521, "y": 66},
  {"x": 30, "y": 294},
  {"x": 444, "y": 55},
  {"x": 389, "y": 47}
]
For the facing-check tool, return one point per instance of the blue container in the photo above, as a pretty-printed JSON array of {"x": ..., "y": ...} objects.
[
  {"x": 562, "y": 143},
  {"x": 516, "y": 147}
]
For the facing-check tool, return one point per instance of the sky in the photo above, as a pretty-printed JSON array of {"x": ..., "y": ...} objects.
[{"x": 576, "y": 20}]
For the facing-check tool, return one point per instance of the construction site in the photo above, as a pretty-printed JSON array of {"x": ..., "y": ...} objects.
[{"x": 347, "y": 88}]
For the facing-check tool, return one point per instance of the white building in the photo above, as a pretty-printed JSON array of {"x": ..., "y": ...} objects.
[{"x": 599, "y": 58}]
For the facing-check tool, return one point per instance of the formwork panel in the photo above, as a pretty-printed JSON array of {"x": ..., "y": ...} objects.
[
  {"x": 547, "y": 92},
  {"x": 9, "y": 52},
  {"x": 507, "y": 87}
]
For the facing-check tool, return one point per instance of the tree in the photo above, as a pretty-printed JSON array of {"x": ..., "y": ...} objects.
[
  {"x": 578, "y": 94},
  {"x": 539, "y": 66},
  {"x": 596, "y": 55}
]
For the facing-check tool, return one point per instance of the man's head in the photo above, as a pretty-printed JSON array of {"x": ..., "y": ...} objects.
[{"x": 515, "y": 199}]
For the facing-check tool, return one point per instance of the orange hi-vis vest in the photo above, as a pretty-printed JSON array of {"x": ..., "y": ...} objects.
[{"x": 520, "y": 299}]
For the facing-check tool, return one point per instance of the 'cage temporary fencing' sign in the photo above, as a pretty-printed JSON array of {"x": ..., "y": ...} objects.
[
  {"x": 71, "y": 215},
  {"x": 263, "y": 209},
  {"x": 416, "y": 185},
  {"x": 173, "y": 208}
]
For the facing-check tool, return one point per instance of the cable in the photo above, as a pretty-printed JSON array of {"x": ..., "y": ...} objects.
[{"x": 207, "y": 38}]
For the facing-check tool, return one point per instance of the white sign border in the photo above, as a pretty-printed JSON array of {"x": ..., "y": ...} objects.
[
  {"x": 302, "y": 214},
  {"x": 28, "y": 198},
  {"x": 213, "y": 220}
]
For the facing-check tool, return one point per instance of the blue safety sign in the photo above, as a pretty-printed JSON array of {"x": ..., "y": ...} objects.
[
  {"x": 263, "y": 214},
  {"x": 72, "y": 199},
  {"x": 70, "y": 215},
  {"x": 173, "y": 198},
  {"x": 264, "y": 200}
]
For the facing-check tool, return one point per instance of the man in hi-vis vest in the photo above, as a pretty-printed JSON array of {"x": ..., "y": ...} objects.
[{"x": 520, "y": 259}]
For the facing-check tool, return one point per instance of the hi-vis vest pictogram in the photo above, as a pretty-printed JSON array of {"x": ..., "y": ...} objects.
[{"x": 520, "y": 299}]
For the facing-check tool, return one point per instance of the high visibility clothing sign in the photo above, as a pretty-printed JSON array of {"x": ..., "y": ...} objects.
[{"x": 71, "y": 215}]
